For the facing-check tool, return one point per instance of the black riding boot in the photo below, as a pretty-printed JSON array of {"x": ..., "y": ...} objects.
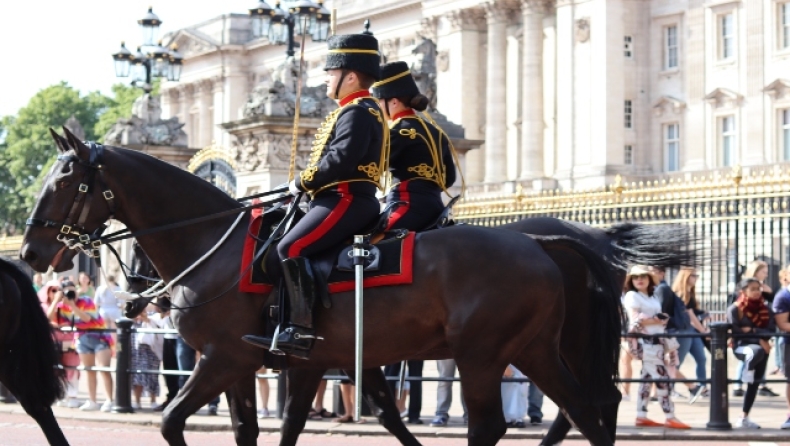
[{"x": 299, "y": 334}]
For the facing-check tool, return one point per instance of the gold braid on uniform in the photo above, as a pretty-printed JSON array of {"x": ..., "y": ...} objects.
[
  {"x": 322, "y": 138},
  {"x": 453, "y": 152}
]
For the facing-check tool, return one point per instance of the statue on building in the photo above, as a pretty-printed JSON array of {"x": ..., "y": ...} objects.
[
  {"x": 276, "y": 96},
  {"x": 75, "y": 127},
  {"x": 146, "y": 126}
]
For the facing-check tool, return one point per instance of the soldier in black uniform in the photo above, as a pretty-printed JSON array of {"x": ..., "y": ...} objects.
[
  {"x": 348, "y": 159},
  {"x": 421, "y": 160}
]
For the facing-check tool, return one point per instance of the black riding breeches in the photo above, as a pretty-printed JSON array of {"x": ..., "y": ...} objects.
[
  {"x": 333, "y": 217},
  {"x": 423, "y": 205}
]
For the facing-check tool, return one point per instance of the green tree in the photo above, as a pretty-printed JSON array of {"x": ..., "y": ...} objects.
[
  {"x": 28, "y": 150},
  {"x": 120, "y": 106}
]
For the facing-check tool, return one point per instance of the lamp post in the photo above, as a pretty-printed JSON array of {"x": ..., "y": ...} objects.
[
  {"x": 151, "y": 60},
  {"x": 303, "y": 17}
]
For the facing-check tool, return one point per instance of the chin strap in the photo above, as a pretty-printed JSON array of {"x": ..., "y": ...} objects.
[{"x": 340, "y": 84}]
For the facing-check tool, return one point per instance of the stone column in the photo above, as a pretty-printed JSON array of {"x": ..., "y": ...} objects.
[
  {"x": 532, "y": 12},
  {"x": 206, "y": 112},
  {"x": 187, "y": 92},
  {"x": 496, "y": 129},
  {"x": 218, "y": 117}
]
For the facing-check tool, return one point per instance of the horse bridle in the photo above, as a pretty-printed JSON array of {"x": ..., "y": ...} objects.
[{"x": 72, "y": 230}]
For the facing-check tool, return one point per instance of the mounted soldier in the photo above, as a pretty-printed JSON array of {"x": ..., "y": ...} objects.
[
  {"x": 346, "y": 166},
  {"x": 421, "y": 155}
]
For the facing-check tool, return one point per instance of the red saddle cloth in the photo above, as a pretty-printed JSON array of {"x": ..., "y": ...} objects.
[{"x": 395, "y": 262}]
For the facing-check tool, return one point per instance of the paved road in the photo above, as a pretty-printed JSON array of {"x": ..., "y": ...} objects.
[{"x": 19, "y": 430}]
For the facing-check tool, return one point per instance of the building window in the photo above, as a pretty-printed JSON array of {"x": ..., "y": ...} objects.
[
  {"x": 726, "y": 36},
  {"x": 672, "y": 146},
  {"x": 784, "y": 25},
  {"x": 627, "y": 47},
  {"x": 628, "y": 114},
  {"x": 628, "y": 155},
  {"x": 670, "y": 47},
  {"x": 728, "y": 140},
  {"x": 785, "y": 120}
]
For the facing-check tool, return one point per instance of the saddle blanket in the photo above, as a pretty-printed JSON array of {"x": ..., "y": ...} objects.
[{"x": 395, "y": 261}]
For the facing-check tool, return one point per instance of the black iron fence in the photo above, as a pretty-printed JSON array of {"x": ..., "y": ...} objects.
[
  {"x": 734, "y": 216},
  {"x": 718, "y": 382}
]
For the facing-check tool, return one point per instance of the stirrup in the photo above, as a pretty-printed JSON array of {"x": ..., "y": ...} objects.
[{"x": 273, "y": 349}]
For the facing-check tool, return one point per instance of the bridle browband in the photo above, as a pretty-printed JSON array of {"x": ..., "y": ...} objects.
[
  {"x": 74, "y": 234},
  {"x": 72, "y": 230}
]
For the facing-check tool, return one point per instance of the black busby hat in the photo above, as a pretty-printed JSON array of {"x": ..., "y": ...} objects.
[
  {"x": 358, "y": 52},
  {"x": 396, "y": 82}
]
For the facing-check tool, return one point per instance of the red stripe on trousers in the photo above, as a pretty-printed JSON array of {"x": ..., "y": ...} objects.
[
  {"x": 403, "y": 195},
  {"x": 331, "y": 220}
]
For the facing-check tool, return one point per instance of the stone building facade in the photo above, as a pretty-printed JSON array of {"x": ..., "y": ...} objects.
[{"x": 564, "y": 93}]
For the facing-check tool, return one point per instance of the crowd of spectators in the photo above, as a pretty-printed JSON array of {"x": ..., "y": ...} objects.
[{"x": 651, "y": 304}]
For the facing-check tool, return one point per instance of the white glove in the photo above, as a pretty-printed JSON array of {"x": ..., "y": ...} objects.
[
  {"x": 124, "y": 295},
  {"x": 293, "y": 189}
]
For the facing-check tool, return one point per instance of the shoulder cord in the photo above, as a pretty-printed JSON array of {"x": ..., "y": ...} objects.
[{"x": 453, "y": 152}]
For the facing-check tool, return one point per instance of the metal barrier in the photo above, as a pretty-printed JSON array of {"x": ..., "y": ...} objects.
[{"x": 719, "y": 382}]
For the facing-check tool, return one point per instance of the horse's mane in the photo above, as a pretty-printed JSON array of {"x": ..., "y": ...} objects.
[
  {"x": 30, "y": 355},
  {"x": 183, "y": 178}
]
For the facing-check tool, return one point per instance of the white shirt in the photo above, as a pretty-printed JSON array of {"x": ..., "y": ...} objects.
[
  {"x": 637, "y": 303},
  {"x": 105, "y": 298}
]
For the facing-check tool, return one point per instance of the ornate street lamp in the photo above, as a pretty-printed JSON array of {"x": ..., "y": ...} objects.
[
  {"x": 303, "y": 17},
  {"x": 150, "y": 60}
]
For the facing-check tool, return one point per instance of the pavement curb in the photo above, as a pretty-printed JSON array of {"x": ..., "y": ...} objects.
[{"x": 372, "y": 428}]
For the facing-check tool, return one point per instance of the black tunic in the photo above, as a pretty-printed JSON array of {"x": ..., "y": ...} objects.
[
  {"x": 418, "y": 175},
  {"x": 341, "y": 177}
]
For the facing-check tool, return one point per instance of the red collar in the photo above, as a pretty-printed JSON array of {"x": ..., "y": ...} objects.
[
  {"x": 403, "y": 114},
  {"x": 354, "y": 95}
]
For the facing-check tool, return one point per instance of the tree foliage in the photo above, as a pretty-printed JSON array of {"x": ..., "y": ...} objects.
[{"x": 27, "y": 150}]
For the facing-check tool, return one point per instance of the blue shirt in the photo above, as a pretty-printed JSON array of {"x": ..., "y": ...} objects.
[{"x": 782, "y": 301}]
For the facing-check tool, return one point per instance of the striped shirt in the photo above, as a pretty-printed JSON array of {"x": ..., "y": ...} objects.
[{"x": 66, "y": 317}]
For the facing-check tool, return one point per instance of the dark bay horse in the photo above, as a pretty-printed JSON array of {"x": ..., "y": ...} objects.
[
  {"x": 465, "y": 302},
  {"x": 28, "y": 353}
]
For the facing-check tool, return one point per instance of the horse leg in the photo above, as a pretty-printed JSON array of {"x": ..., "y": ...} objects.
[
  {"x": 243, "y": 416},
  {"x": 378, "y": 394},
  {"x": 482, "y": 391},
  {"x": 46, "y": 420},
  {"x": 556, "y": 381},
  {"x": 302, "y": 385},
  {"x": 211, "y": 376}
]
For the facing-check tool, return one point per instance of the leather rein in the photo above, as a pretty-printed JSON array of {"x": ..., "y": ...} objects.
[{"x": 73, "y": 232}]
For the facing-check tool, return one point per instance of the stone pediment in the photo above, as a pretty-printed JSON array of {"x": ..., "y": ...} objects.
[
  {"x": 724, "y": 98},
  {"x": 778, "y": 89},
  {"x": 668, "y": 103},
  {"x": 192, "y": 42}
]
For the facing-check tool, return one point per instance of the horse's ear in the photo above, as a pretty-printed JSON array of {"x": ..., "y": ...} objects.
[
  {"x": 83, "y": 152},
  {"x": 60, "y": 141}
]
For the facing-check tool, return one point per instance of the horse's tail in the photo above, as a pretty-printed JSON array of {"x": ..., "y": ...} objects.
[
  {"x": 31, "y": 359},
  {"x": 652, "y": 245},
  {"x": 606, "y": 317}
]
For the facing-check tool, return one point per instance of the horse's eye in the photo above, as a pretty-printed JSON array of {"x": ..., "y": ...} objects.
[{"x": 63, "y": 184}]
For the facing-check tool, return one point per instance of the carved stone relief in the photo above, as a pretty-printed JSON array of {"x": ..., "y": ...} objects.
[
  {"x": 268, "y": 151},
  {"x": 146, "y": 126}
]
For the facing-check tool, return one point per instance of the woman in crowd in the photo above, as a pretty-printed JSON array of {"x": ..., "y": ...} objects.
[
  {"x": 79, "y": 312},
  {"x": 65, "y": 340},
  {"x": 685, "y": 286},
  {"x": 750, "y": 314},
  {"x": 107, "y": 303},
  {"x": 644, "y": 314},
  {"x": 784, "y": 280},
  {"x": 147, "y": 352},
  {"x": 85, "y": 285},
  {"x": 757, "y": 269},
  {"x": 263, "y": 392},
  {"x": 514, "y": 398}
]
